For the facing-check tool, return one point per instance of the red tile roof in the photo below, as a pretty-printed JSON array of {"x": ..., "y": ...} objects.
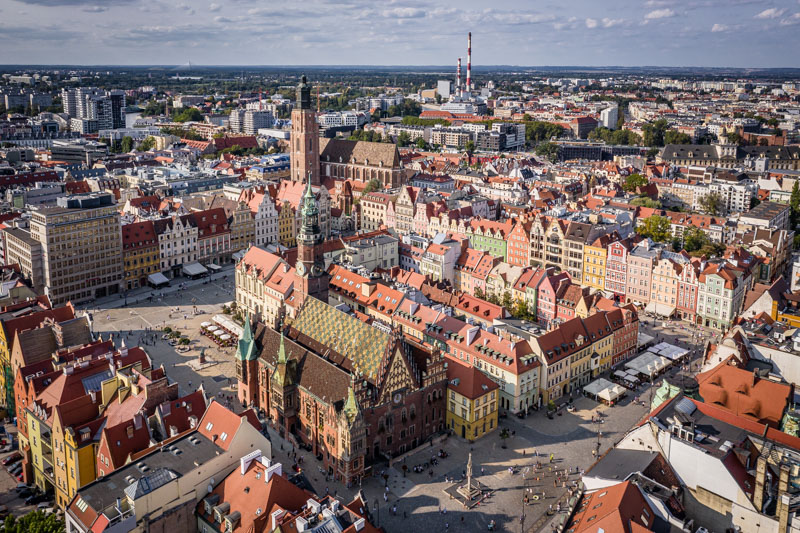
[
  {"x": 139, "y": 235},
  {"x": 468, "y": 381}
]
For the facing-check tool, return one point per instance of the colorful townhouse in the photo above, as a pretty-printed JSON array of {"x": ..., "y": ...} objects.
[{"x": 472, "y": 402}]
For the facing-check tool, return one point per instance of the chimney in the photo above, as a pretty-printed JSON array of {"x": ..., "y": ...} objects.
[
  {"x": 755, "y": 377},
  {"x": 458, "y": 78},
  {"x": 758, "y": 494},
  {"x": 782, "y": 511},
  {"x": 469, "y": 61},
  {"x": 130, "y": 432}
]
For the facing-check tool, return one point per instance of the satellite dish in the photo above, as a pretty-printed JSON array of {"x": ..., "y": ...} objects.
[{"x": 210, "y": 488}]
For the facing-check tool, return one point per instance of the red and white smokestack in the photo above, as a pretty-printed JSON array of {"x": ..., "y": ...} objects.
[
  {"x": 469, "y": 61},
  {"x": 458, "y": 77}
]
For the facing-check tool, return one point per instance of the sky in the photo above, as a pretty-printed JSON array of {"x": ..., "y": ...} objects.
[{"x": 705, "y": 33}]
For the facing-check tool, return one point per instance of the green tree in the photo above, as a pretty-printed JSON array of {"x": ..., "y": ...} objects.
[
  {"x": 33, "y": 522},
  {"x": 126, "y": 145},
  {"x": 646, "y": 202},
  {"x": 694, "y": 239},
  {"x": 653, "y": 133},
  {"x": 794, "y": 204},
  {"x": 421, "y": 144},
  {"x": 372, "y": 185},
  {"x": 711, "y": 203},
  {"x": 147, "y": 144},
  {"x": 469, "y": 147},
  {"x": 190, "y": 114},
  {"x": 655, "y": 227},
  {"x": 735, "y": 138},
  {"x": 404, "y": 139},
  {"x": 633, "y": 182},
  {"x": 479, "y": 294},
  {"x": 548, "y": 150},
  {"x": 676, "y": 137}
]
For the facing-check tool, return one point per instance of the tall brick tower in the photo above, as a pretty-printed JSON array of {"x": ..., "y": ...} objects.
[
  {"x": 311, "y": 277},
  {"x": 304, "y": 155}
]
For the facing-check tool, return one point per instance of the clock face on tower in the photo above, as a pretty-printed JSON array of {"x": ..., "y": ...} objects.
[
  {"x": 301, "y": 269},
  {"x": 316, "y": 270}
]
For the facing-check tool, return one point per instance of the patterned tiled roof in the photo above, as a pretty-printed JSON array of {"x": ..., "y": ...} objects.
[{"x": 365, "y": 346}]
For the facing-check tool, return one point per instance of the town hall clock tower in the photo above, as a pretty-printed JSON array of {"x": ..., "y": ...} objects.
[
  {"x": 311, "y": 277},
  {"x": 304, "y": 153}
]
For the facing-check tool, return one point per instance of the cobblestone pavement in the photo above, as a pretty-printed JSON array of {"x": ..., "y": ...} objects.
[
  {"x": 140, "y": 323},
  {"x": 419, "y": 498}
]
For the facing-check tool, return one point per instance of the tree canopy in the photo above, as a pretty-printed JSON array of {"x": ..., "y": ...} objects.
[
  {"x": 646, "y": 202},
  {"x": 372, "y": 186},
  {"x": 33, "y": 522},
  {"x": 712, "y": 203},
  {"x": 147, "y": 144},
  {"x": 655, "y": 227},
  {"x": 634, "y": 181},
  {"x": 189, "y": 114},
  {"x": 620, "y": 136}
]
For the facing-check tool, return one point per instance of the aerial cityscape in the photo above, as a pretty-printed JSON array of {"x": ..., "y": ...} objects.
[{"x": 467, "y": 268}]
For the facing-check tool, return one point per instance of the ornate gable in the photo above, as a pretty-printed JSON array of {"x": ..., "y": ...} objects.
[{"x": 398, "y": 377}]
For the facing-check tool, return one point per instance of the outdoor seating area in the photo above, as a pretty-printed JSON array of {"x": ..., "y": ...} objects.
[
  {"x": 219, "y": 335},
  {"x": 648, "y": 365},
  {"x": 670, "y": 351},
  {"x": 604, "y": 391},
  {"x": 626, "y": 378}
]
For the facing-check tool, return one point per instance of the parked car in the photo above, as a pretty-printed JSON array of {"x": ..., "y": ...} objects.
[
  {"x": 15, "y": 469},
  {"x": 24, "y": 493},
  {"x": 11, "y": 459},
  {"x": 45, "y": 506},
  {"x": 21, "y": 486},
  {"x": 35, "y": 498},
  {"x": 19, "y": 477}
]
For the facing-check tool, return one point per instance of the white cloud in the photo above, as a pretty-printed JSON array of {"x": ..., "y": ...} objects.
[
  {"x": 610, "y": 23},
  {"x": 716, "y": 28},
  {"x": 792, "y": 20},
  {"x": 771, "y": 13},
  {"x": 591, "y": 23},
  {"x": 404, "y": 13},
  {"x": 94, "y": 9},
  {"x": 214, "y": 8},
  {"x": 660, "y": 14}
]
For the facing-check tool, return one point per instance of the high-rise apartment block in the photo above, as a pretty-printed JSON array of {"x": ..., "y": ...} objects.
[
  {"x": 107, "y": 108},
  {"x": 609, "y": 117},
  {"x": 81, "y": 241}
]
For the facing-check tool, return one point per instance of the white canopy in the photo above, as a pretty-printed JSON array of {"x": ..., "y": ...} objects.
[
  {"x": 194, "y": 269},
  {"x": 670, "y": 351},
  {"x": 611, "y": 395},
  {"x": 205, "y": 324},
  {"x": 219, "y": 333},
  {"x": 228, "y": 324},
  {"x": 212, "y": 328},
  {"x": 604, "y": 390},
  {"x": 648, "y": 364},
  {"x": 644, "y": 338},
  {"x": 225, "y": 337},
  {"x": 664, "y": 310},
  {"x": 157, "y": 279}
]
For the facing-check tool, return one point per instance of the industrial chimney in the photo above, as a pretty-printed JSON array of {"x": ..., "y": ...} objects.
[
  {"x": 458, "y": 78},
  {"x": 469, "y": 62}
]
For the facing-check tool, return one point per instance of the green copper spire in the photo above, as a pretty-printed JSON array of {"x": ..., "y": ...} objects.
[
  {"x": 351, "y": 404},
  {"x": 309, "y": 201},
  {"x": 282, "y": 352},
  {"x": 246, "y": 350}
]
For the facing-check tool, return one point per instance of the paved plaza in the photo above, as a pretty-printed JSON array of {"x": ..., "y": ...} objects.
[
  {"x": 414, "y": 500},
  {"x": 141, "y": 321}
]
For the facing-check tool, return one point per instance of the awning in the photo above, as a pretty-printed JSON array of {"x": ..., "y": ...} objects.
[
  {"x": 219, "y": 333},
  {"x": 670, "y": 351},
  {"x": 228, "y": 324},
  {"x": 205, "y": 324},
  {"x": 225, "y": 337},
  {"x": 212, "y": 328},
  {"x": 604, "y": 390},
  {"x": 214, "y": 268},
  {"x": 664, "y": 310},
  {"x": 157, "y": 279},
  {"x": 644, "y": 338},
  {"x": 194, "y": 269},
  {"x": 648, "y": 364}
]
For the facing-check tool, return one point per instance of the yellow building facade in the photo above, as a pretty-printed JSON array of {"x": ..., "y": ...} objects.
[
  {"x": 471, "y": 402},
  {"x": 594, "y": 266}
]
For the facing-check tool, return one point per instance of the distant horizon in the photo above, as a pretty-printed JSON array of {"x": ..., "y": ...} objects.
[
  {"x": 178, "y": 68},
  {"x": 674, "y": 33}
]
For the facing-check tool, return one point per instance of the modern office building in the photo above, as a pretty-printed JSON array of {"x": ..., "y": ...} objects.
[{"x": 81, "y": 241}]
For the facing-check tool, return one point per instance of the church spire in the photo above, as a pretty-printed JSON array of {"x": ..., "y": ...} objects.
[
  {"x": 351, "y": 404},
  {"x": 282, "y": 352}
]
